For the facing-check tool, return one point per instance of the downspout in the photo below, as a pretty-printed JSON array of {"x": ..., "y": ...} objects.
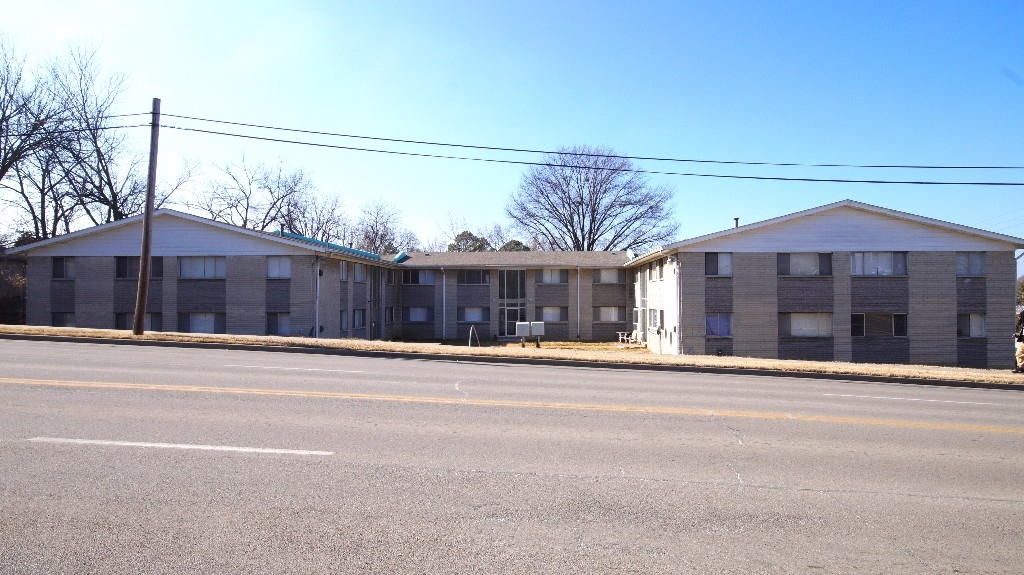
[
  {"x": 316, "y": 304},
  {"x": 679, "y": 306},
  {"x": 579, "y": 312}
]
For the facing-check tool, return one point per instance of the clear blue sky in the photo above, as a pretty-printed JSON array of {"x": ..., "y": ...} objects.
[{"x": 938, "y": 83}]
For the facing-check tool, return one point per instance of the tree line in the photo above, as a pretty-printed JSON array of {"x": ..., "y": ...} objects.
[{"x": 65, "y": 163}]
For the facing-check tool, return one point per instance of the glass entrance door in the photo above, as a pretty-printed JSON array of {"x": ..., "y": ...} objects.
[{"x": 511, "y": 300}]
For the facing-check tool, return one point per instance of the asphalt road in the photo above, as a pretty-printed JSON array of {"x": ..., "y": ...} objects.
[{"x": 120, "y": 459}]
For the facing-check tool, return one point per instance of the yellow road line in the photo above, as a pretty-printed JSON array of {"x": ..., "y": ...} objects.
[{"x": 518, "y": 404}]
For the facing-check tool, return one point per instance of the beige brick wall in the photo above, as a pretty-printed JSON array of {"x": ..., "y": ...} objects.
[
  {"x": 245, "y": 285},
  {"x": 931, "y": 321},
  {"x": 94, "y": 292},
  {"x": 40, "y": 272},
  {"x": 1000, "y": 281},
  {"x": 755, "y": 316},
  {"x": 841, "y": 307},
  {"x": 692, "y": 306},
  {"x": 302, "y": 294},
  {"x": 451, "y": 302},
  {"x": 585, "y": 309}
]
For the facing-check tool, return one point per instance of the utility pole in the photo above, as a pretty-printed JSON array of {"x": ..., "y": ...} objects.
[{"x": 139, "y": 325}]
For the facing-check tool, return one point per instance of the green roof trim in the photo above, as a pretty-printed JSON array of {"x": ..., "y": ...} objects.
[{"x": 336, "y": 247}]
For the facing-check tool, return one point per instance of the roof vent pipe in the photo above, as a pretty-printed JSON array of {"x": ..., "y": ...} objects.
[{"x": 736, "y": 222}]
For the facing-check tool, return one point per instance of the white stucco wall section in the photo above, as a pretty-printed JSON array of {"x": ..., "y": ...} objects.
[
  {"x": 844, "y": 229},
  {"x": 172, "y": 236}
]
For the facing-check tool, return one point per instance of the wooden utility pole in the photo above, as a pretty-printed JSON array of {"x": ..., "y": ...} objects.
[{"x": 141, "y": 295}]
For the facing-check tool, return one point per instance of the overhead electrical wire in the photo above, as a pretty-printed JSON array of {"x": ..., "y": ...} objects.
[
  {"x": 77, "y": 130},
  {"x": 631, "y": 170},
  {"x": 593, "y": 155}
]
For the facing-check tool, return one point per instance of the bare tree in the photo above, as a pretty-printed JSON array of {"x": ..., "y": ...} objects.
[
  {"x": 379, "y": 230},
  {"x": 321, "y": 219},
  {"x": 253, "y": 196},
  {"x": 591, "y": 199},
  {"x": 39, "y": 193},
  {"x": 29, "y": 115}
]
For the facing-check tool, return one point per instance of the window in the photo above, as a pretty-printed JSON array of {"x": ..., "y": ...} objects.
[
  {"x": 62, "y": 319},
  {"x": 279, "y": 324},
  {"x": 718, "y": 325},
  {"x": 154, "y": 321},
  {"x": 606, "y": 313},
  {"x": 970, "y": 263},
  {"x": 202, "y": 323},
  {"x": 805, "y": 325},
  {"x": 804, "y": 264},
  {"x": 359, "y": 272},
  {"x": 389, "y": 277},
  {"x": 474, "y": 277},
  {"x": 552, "y": 313},
  {"x": 344, "y": 271},
  {"x": 660, "y": 267},
  {"x": 474, "y": 314},
  {"x": 970, "y": 325},
  {"x": 609, "y": 276},
  {"x": 652, "y": 318},
  {"x": 279, "y": 267},
  {"x": 878, "y": 324},
  {"x": 718, "y": 264},
  {"x": 418, "y": 277},
  {"x": 358, "y": 318},
  {"x": 878, "y": 263},
  {"x": 127, "y": 267},
  {"x": 63, "y": 268},
  {"x": 418, "y": 314},
  {"x": 389, "y": 315},
  {"x": 549, "y": 276},
  {"x": 201, "y": 267},
  {"x": 344, "y": 320}
]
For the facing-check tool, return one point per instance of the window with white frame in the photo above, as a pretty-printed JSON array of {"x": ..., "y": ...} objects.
[
  {"x": 418, "y": 314},
  {"x": 970, "y": 325},
  {"x": 970, "y": 263},
  {"x": 552, "y": 313},
  {"x": 279, "y": 323},
  {"x": 553, "y": 276},
  {"x": 878, "y": 325},
  {"x": 653, "y": 318},
  {"x": 805, "y": 325},
  {"x": 474, "y": 314},
  {"x": 609, "y": 276},
  {"x": 202, "y": 267},
  {"x": 610, "y": 314},
  {"x": 279, "y": 267},
  {"x": 418, "y": 277},
  {"x": 878, "y": 263},
  {"x": 718, "y": 264},
  {"x": 804, "y": 264},
  {"x": 718, "y": 325},
  {"x": 359, "y": 272},
  {"x": 63, "y": 268},
  {"x": 474, "y": 277}
]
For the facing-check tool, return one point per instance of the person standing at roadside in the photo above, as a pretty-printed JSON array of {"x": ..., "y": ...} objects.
[{"x": 1018, "y": 337}]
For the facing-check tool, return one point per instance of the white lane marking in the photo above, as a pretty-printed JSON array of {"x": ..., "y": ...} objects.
[
  {"x": 178, "y": 446},
  {"x": 295, "y": 368},
  {"x": 910, "y": 399}
]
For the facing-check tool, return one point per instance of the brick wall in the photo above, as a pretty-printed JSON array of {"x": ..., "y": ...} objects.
[
  {"x": 881, "y": 294},
  {"x": 842, "y": 300},
  {"x": 245, "y": 284},
  {"x": 94, "y": 292},
  {"x": 881, "y": 350},
  {"x": 38, "y": 309},
  {"x": 932, "y": 315},
  {"x": 805, "y": 294},
  {"x": 694, "y": 301},
  {"x": 169, "y": 295},
  {"x": 581, "y": 308},
  {"x": 755, "y": 314},
  {"x": 330, "y": 294},
  {"x": 971, "y": 295},
  {"x": 302, "y": 294},
  {"x": 1001, "y": 275}
]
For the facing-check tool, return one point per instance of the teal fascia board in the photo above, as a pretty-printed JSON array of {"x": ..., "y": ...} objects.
[{"x": 335, "y": 247}]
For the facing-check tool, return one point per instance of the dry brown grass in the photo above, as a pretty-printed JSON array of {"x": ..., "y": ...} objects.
[{"x": 585, "y": 351}]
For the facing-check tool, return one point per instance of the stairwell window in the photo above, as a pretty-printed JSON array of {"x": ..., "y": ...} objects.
[{"x": 718, "y": 264}]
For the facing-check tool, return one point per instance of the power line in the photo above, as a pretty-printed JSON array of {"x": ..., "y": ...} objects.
[
  {"x": 631, "y": 170},
  {"x": 592, "y": 155},
  {"x": 78, "y": 130}
]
